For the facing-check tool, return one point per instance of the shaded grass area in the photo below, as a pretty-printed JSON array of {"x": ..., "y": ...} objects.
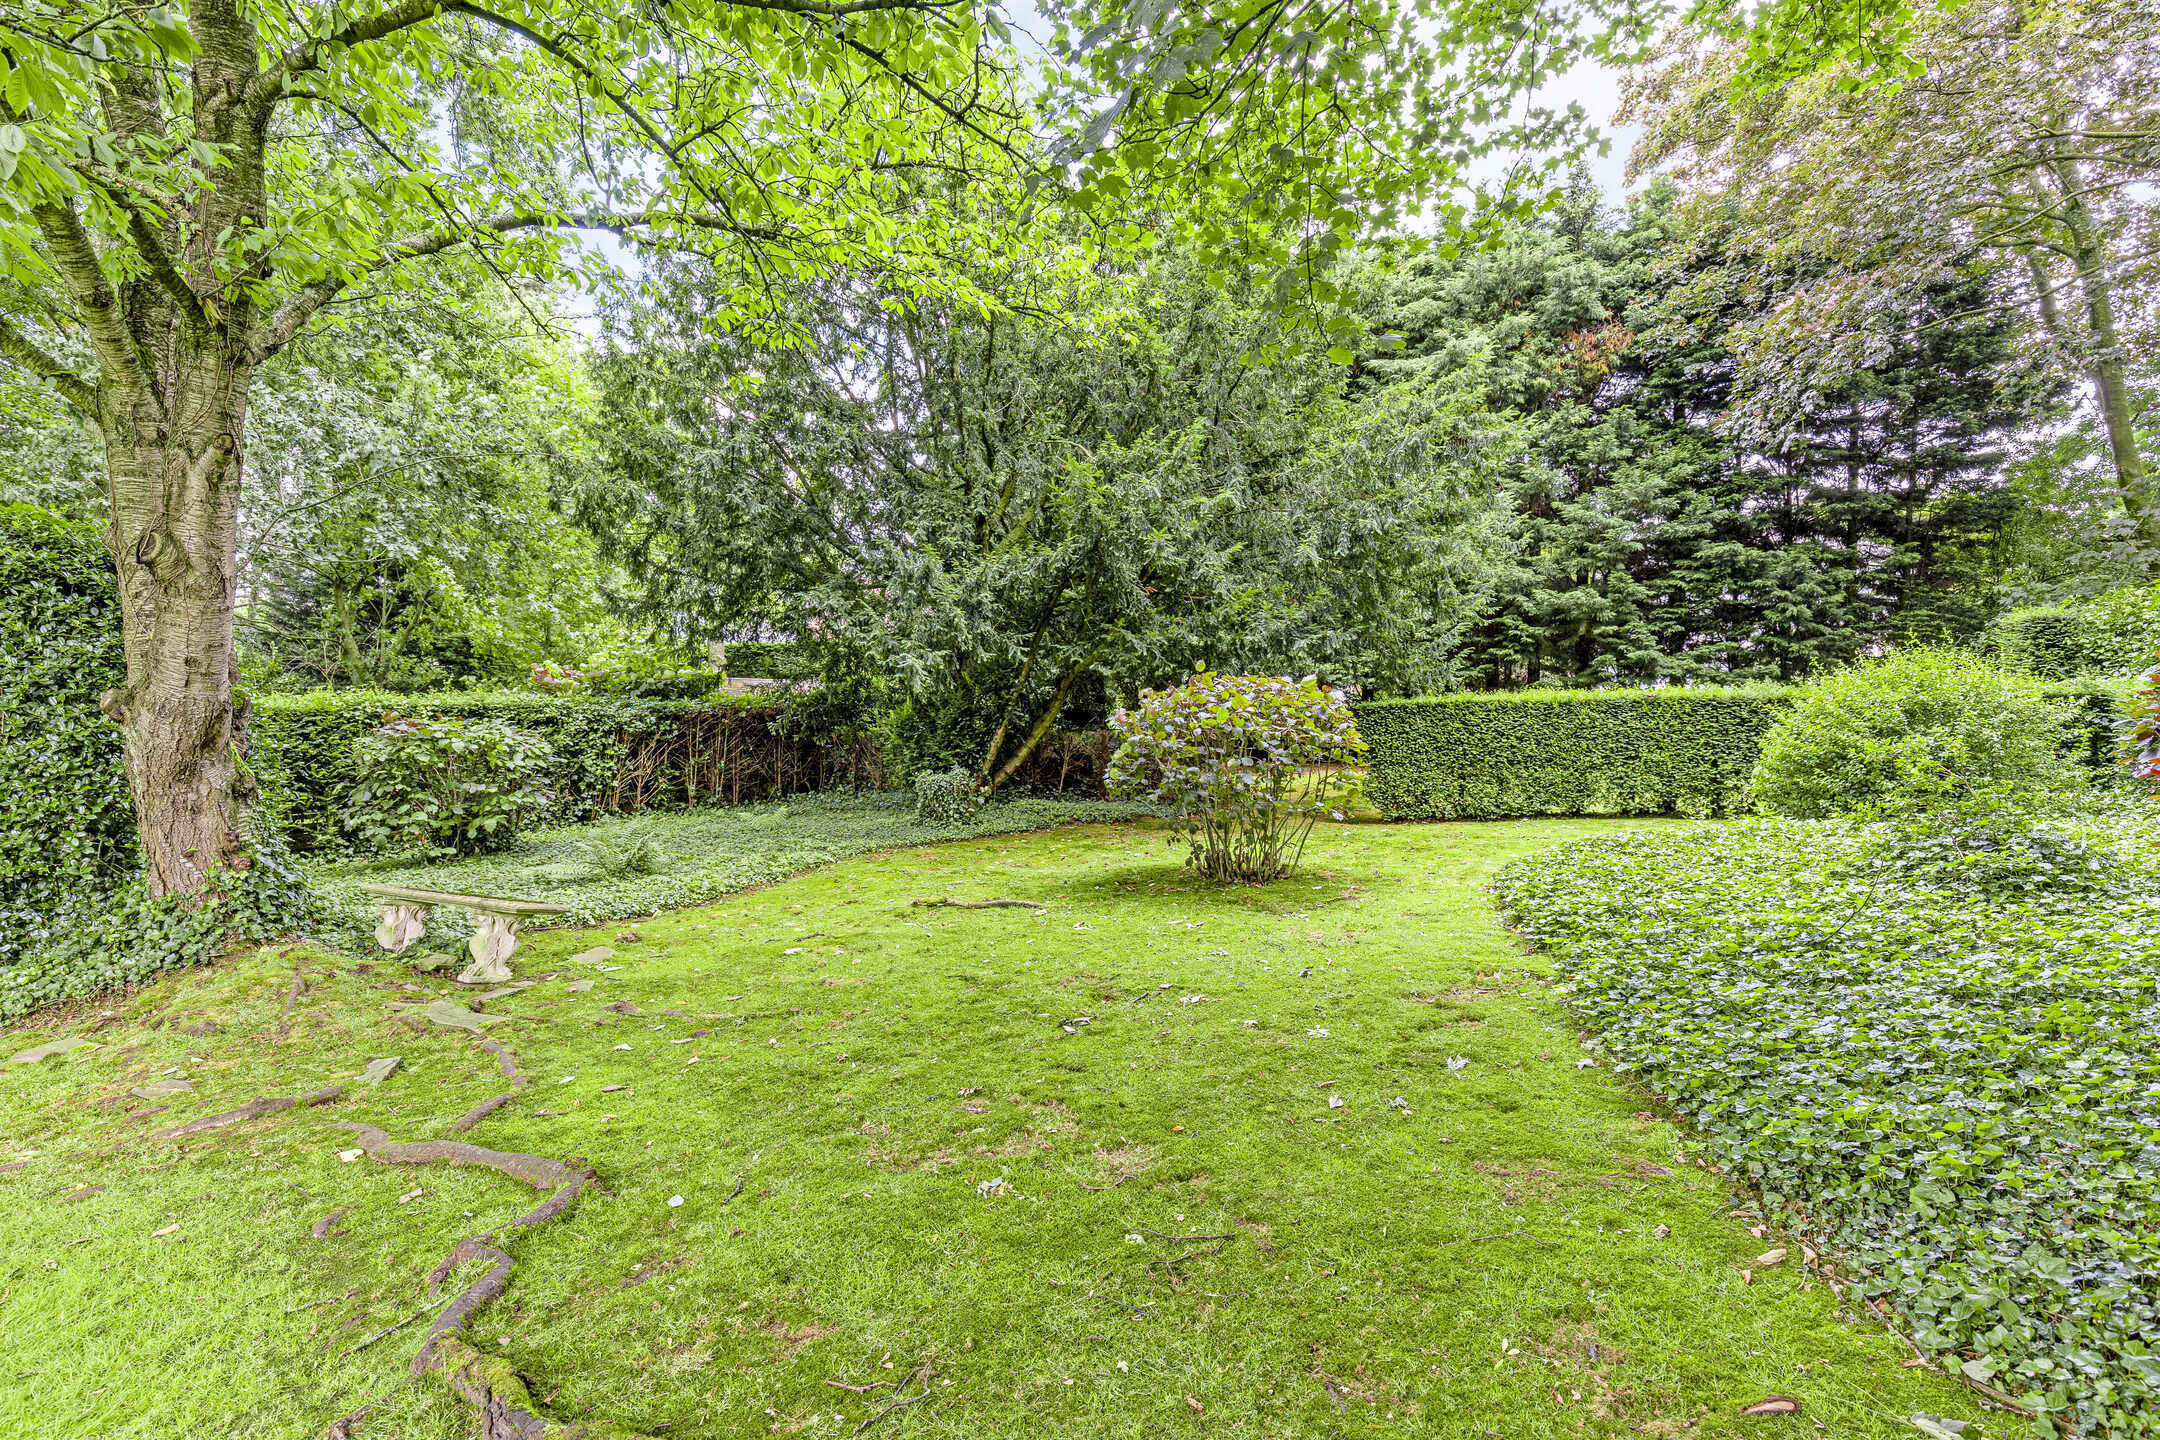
[{"x": 834, "y": 1080}]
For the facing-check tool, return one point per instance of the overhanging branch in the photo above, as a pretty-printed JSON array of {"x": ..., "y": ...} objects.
[
  {"x": 283, "y": 325},
  {"x": 26, "y": 352}
]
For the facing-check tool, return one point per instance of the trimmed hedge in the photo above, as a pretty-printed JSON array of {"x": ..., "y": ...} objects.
[
  {"x": 1478, "y": 756},
  {"x": 67, "y": 822},
  {"x": 2109, "y": 635},
  {"x": 612, "y": 752},
  {"x": 1676, "y": 751}
]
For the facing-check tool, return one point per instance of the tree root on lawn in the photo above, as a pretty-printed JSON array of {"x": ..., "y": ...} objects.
[
  {"x": 253, "y": 1110},
  {"x": 488, "y": 1383},
  {"x": 488, "y": 1107},
  {"x": 981, "y": 904}
]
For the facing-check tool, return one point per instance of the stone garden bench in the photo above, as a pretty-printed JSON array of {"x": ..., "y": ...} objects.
[{"x": 495, "y": 922}]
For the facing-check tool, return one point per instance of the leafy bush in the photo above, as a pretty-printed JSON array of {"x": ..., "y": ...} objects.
[
  {"x": 1566, "y": 752},
  {"x": 2109, "y": 634},
  {"x": 2141, "y": 732},
  {"x": 445, "y": 786},
  {"x": 1951, "y": 1096},
  {"x": 948, "y": 797},
  {"x": 67, "y": 823},
  {"x": 110, "y": 941},
  {"x": 612, "y": 753},
  {"x": 1913, "y": 729},
  {"x": 1222, "y": 753}
]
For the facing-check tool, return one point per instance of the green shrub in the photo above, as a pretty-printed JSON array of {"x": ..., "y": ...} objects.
[
  {"x": 445, "y": 786},
  {"x": 612, "y": 753},
  {"x": 67, "y": 823},
  {"x": 947, "y": 797},
  {"x": 2110, "y": 634},
  {"x": 126, "y": 937},
  {"x": 770, "y": 660},
  {"x": 1483, "y": 756},
  {"x": 1913, "y": 729},
  {"x": 1222, "y": 753}
]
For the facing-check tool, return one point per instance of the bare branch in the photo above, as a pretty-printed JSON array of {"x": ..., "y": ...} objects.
[{"x": 25, "y": 352}]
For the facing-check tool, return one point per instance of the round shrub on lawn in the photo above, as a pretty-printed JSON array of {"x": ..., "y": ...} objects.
[{"x": 1916, "y": 725}]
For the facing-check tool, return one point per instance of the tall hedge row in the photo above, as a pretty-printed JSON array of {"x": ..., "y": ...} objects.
[
  {"x": 612, "y": 752},
  {"x": 1680, "y": 751},
  {"x": 1565, "y": 752},
  {"x": 67, "y": 826}
]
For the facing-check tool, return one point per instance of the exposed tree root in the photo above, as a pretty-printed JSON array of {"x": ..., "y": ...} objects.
[
  {"x": 253, "y": 1110},
  {"x": 485, "y": 1108},
  {"x": 982, "y": 904},
  {"x": 488, "y": 1383},
  {"x": 322, "y": 1229},
  {"x": 535, "y": 1170}
]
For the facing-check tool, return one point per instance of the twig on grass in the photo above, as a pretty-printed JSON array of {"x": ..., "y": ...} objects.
[
  {"x": 387, "y": 1330},
  {"x": 1503, "y": 1235},
  {"x": 1111, "y": 1186},
  {"x": 341, "y": 1429},
  {"x": 859, "y": 1389},
  {"x": 734, "y": 1192},
  {"x": 1139, "y": 1310},
  {"x": 900, "y": 1402}
]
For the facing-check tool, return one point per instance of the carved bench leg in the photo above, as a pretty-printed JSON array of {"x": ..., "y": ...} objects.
[
  {"x": 494, "y": 937},
  {"x": 401, "y": 925}
]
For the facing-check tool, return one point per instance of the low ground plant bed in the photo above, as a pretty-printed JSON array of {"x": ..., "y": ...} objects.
[
  {"x": 1957, "y": 1098},
  {"x": 633, "y": 866},
  {"x": 1316, "y": 1159}
]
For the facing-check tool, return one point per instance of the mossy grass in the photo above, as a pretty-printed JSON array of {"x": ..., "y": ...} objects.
[{"x": 832, "y": 1079}]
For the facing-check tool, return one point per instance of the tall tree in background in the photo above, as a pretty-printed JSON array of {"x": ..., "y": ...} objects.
[
  {"x": 188, "y": 188},
  {"x": 1648, "y": 538},
  {"x": 1020, "y": 516},
  {"x": 1916, "y": 139}
]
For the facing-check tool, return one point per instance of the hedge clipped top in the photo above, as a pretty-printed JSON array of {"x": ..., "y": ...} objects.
[{"x": 1481, "y": 755}]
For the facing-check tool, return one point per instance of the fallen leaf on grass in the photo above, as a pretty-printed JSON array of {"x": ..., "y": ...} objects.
[
  {"x": 348, "y": 1156},
  {"x": 1774, "y": 1405},
  {"x": 1771, "y": 1257},
  {"x": 1196, "y": 1405},
  {"x": 169, "y": 1229},
  {"x": 593, "y": 956},
  {"x": 1334, "y": 1102},
  {"x": 1939, "y": 1427},
  {"x": 457, "y": 1017},
  {"x": 379, "y": 1070}
]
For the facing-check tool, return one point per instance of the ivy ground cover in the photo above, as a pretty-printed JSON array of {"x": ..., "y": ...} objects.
[
  {"x": 1077, "y": 1171},
  {"x": 1957, "y": 1098}
]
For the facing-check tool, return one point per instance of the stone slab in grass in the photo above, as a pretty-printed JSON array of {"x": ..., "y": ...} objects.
[{"x": 49, "y": 1049}]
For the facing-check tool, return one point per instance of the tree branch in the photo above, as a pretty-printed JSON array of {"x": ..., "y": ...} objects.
[
  {"x": 77, "y": 258},
  {"x": 25, "y": 352},
  {"x": 282, "y": 326}
]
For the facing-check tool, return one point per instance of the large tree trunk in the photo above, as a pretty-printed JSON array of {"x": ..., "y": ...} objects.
[
  {"x": 175, "y": 497},
  {"x": 2134, "y": 478}
]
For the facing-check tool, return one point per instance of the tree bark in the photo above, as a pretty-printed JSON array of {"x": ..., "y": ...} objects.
[
  {"x": 2111, "y": 390},
  {"x": 175, "y": 486}
]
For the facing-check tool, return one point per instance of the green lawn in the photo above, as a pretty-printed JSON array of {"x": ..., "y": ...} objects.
[{"x": 1520, "y": 1250}]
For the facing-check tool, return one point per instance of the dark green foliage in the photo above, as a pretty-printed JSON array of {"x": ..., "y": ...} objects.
[
  {"x": 445, "y": 785},
  {"x": 67, "y": 825},
  {"x": 1013, "y": 521},
  {"x": 1947, "y": 1090},
  {"x": 947, "y": 797},
  {"x": 612, "y": 753},
  {"x": 1915, "y": 729},
  {"x": 1648, "y": 538},
  {"x": 2114, "y": 633},
  {"x": 771, "y": 660},
  {"x": 2054, "y": 642},
  {"x": 125, "y": 937},
  {"x": 1566, "y": 752}
]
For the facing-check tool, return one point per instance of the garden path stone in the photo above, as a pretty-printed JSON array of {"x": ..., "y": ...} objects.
[
  {"x": 159, "y": 1089},
  {"x": 50, "y": 1048},
  {"x": 457, "y": 1017}
]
